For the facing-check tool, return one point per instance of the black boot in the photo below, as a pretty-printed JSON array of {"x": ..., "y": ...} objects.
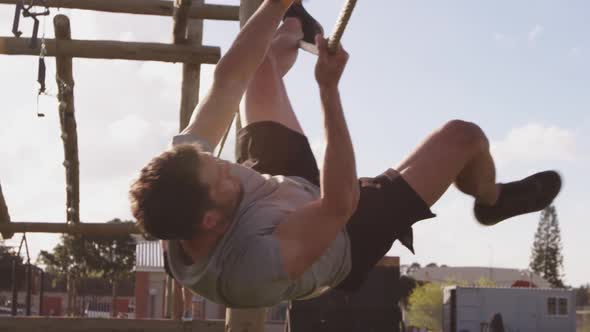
[
  {"x": 310, "y": 26},
  {"x": 530, "y": 194}
]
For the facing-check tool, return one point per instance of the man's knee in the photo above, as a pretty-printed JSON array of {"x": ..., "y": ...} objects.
[{"x": 465, "y": 135}]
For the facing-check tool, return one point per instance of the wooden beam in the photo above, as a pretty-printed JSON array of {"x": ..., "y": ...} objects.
[
  {"x": 101, "y": 49},
  {"x": 191, "y": 74},
  {"x": 389, "y": 261},
  {"x": 180, "y": 17},
  {"x": 4, "y": 216},
  {"x": 62, "y": 324},
  {"x": 145, "y": 7},
  {"x": 245, "y": 320},
  {"x": 95, "y": 229},
  {"x": 185, "y": 32},
  {"x": 67, "y": 119}
]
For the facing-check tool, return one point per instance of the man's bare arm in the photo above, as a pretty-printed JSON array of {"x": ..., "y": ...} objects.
[
  {"x": 307, "y": 233},
  {"x": 234, "y": 71}
]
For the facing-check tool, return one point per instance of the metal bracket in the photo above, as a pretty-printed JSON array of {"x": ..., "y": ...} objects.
[
  {"x": 15, "y": 23},
  {"x": 28, "y": 12}
]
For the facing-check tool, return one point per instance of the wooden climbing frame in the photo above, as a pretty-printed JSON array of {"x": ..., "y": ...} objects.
[{"x": 186, "y": 48}]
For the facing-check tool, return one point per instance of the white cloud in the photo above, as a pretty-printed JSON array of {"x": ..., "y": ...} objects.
[
  {"x": 166, "y": 73},
  {"x": 127, "y": 36},
  {"x": 504, "y": 40},
  {"x": 129, "y": 130},
  {"x": 535, "y": 142},
  {"x": 535, "y": 34},
  {"x": 574, "y": 52}
]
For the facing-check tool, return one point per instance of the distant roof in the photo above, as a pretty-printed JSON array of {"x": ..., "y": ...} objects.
[
  {"x": 471, "y": 275},
  {"x": 149, "y": 257}
]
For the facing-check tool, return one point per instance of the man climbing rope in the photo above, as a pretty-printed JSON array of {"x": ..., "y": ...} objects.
[{"x": 269, "y": 228}]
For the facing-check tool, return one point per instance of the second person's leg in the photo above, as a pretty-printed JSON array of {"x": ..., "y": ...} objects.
[
  {"x": 272, "y": 141},
  {"x": 266, "y": 98}
]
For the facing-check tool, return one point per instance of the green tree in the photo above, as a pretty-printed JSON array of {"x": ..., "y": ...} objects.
[
  {"x": 413, "y": 268},
  {"x": 70, "y": 259},
  {"x": 7, "y": 255},
  {"x": 425, "y": 304},
  {"x": 546, "y": 258},
  {"x": 77, "y": 257},
  {"x": 7, "y": 258},
  {"x": 112, "y": 258},
  {"x": 407, "y": 285},
  {"x": 485, "y": 282},
  {"x": 425, "y": 307},
  {"x": 583, "y": 295}
]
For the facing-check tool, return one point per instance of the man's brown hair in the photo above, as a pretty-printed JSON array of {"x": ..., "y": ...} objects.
[{"x": 168, "y": 200}]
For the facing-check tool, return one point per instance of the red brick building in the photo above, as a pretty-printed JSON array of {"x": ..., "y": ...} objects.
[{"x": 150, "y": 286}]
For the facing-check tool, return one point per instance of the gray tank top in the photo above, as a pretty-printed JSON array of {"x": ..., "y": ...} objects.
[{"x": 245, "y": 269}]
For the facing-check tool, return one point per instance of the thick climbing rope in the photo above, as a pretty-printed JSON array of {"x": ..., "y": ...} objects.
[
  {"x": 333, "y": 43},
  {"x": 341, "y": 24}
]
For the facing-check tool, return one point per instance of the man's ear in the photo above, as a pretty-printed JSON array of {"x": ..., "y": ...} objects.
[{"x": 210, "y": 220}]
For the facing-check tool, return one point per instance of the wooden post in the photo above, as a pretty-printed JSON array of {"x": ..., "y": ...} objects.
[
  {"x": 69, "y": 134},
  {"x": 4, "y": 216},
  {"x": 191, "y": 73},
  {"x": 71, "y": 294},
  {"x": 168, "y": 298},
  {"x": 41, "y": 292},
  {"x": 187, "y": 32},
  {"x": 246, "y": 320},
  {"x": 180, "y": 17}
]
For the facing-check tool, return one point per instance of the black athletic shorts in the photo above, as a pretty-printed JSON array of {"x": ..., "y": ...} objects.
[{"x": 388, "y": 206}]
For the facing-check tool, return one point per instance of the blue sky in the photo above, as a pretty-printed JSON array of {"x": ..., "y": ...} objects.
[{"x": 518, "y": 69}]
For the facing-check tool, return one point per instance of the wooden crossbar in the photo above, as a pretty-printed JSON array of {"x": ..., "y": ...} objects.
[
  {"x": 101, "y": 49},
  {"x": 96, "y": 229},
  {"x": 145, "y": 7},
  {"x": 63, "y": 324}
]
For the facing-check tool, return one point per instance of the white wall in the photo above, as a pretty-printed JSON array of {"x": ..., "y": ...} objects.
[
  {"x": 156, "y": 287},
  {"x": 522, "y": 309}
]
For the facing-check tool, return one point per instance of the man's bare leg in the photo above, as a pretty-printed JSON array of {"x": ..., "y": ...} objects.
[
  {"x": 266, "y": 97},
  {"x": 459, "y": 153},
  {"x": 456, "y": 153}
]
